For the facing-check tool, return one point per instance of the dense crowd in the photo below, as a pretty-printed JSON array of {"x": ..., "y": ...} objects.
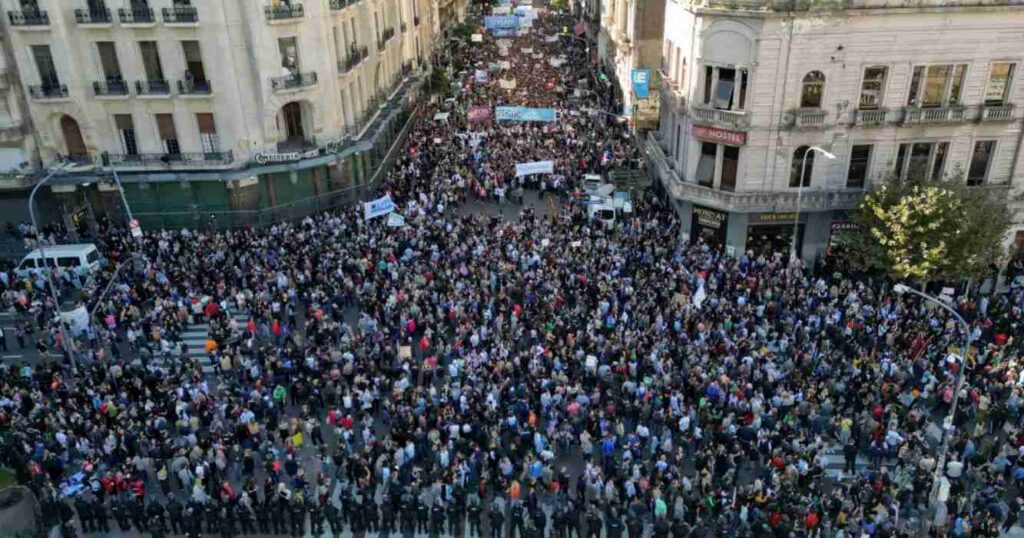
[{"x": 531, "y": 376}]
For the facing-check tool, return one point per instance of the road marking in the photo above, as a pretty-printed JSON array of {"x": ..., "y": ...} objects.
[{"x": 13, "y": 356}]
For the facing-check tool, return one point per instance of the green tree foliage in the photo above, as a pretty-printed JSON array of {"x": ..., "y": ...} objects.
[
  {"x": 928, "y": 230},
  {"x": 557, "y": 5}
]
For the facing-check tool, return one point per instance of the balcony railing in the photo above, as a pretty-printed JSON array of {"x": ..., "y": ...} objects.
[
  {"x": 730, "y": 118},
  {"x": 136, "y": 15},
  {"x": 28, "y": 18},
  {"x": 810, "y": 199},
  {"x": 388, "y": 33},
  {"x": 285, "y": 12},
  {"x": 807, "y": 119},
  {"x": 291, "y": 82},
  {"x": 194, "y": 87},
  {"x": 48, "y": 91},
  {"x": 92, "y": 16},
  {"x": 110, "y": 88},
  {"x": 870, "y": 118},
  {"x": 167, "y": 159},
  {"x": 355, "y": 56},
  {"x": 152, "y": 87},
  {"x": 996, "y": 113},
  {"x": 342, "y": 4},
  {"x": 181, "y": 15},
  {"x": 945, "y": 114}
]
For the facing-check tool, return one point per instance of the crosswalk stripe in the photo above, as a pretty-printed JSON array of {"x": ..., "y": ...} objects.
[{"x": 194, "y": 336}]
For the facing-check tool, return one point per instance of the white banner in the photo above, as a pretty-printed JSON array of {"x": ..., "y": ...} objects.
[
  {"x": 538, "y": 167},
  {"x": 77, "y": 319},
  {"x": 395, "y": 220},
  {"x": 477, "y": 38},
  {"x": 378, "y": 207},
  {"x": 507, "y": 84}
]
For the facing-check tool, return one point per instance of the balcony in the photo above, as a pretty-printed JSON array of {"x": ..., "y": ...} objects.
[
  {"x": 23, "y": 19},
  {"x": 355, "y": 56},
  {"x": 145, "y": 160},
  {"x": 745, "y": 202},
  {"x": 337, "y": 5},
  {"x": 805, "y": 119},
  {"x": 388, "y": 34},
  {"x": 44, "y": 92},
  {"x": 403, "y": 27},
  {"x": 293, "y": 82},
  {"x": 93, "y": 17},
  {"x": 196, "y": 88},
  {"x": 181, "y": 15},
  {"x": 114, "y": 87},
  {"x": 727, "y": 118},
  {"x": 137, "y": 16},
  {"x": 152, "y": 88},
  {"x": 923, "y": 116},
  {"x": 870, "y": 118},
  {"x": 285, "y": 12},
  {"x": 670, "y": 93},
  {"x": 996, "y": 113},
  {"x": 416, "y": 21}
]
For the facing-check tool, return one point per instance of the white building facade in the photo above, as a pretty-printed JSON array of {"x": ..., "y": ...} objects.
[
  {"x": 912, "y": 89},
  {"x": 212, "y": 90},
  {"x": 630, "y": 38}
]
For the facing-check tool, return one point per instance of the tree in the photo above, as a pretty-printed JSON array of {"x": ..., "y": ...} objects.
[
  {"x": 928, "y": 230},
  {"x": 557, "y": 5}
]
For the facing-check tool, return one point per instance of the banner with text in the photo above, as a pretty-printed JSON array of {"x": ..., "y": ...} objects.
[
  {"x": 498, "y": 22},
  {"x": 477, "y": 114},
  {"x": 504, "y": 32},
  {"x": 538, "y": 167},
  {"x": 378, "y": 207},
  {"x": 518, "y": 113},
  {"x": 507, "y": 84}
]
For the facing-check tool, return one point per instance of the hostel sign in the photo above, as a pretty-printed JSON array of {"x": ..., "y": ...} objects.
[{"x": 719, "y": 136}]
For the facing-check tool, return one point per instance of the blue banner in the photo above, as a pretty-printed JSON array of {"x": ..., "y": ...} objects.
[
  {"x": 539, "y": 167},
  {"x": 504, "y": 32},
  {"x": 518, "y": 113},
  {"x": 641, "y": 83},
  {"x": 378, "y": 207},
  {"x": 495, "y": 22}
]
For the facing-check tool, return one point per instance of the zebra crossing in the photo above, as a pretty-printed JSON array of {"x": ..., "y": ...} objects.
[
  {"x": 194, "y": 336},
  {"x": 832, "y": 462}
]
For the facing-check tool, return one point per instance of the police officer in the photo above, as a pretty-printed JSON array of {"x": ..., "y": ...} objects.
[
  {"x": 371, "y": 517},
  {"x": 316, "y": 519},
  {"x": 157, "y": 526},
  {"x": 593, "y": 523},
  {"x": 245, "y": 519},
  {"x": 277, "y": 517},
  {"x": 334, "y": 519},
  {"x": 298, "y": 514},
  {"x": 387, "y": 515},
  {"x": 121, "y": 515},
  {"x": 138, "y": 514},
  {"x": 84, "y": 514},
  {"x": 473, "y": 516},
  {"x": 540, "y": 521},
  {"x": 263, "y": 517},
  {"x": 496, "y": 520},
  {"x": 174, "y": 515},
  {"x": 436, "y": 520},
  {"x": 422, "y": 517},
  {"x": 227, "y": 520},
  {"x": 634, "y": 526},
  {"x": 99, "y": 516},
  {"x": 455, "y": 517},
  {"x": 408, "y": 521}
]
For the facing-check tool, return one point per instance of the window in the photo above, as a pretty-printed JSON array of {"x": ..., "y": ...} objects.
[
  {"x": 5, "y": 109},
  {"x": 108, "y": 61},
  {"x": 151, "y": 60},
  {"x": 44, "y": 64},
  {"x": 168, "y": 134},
  {"x": 936, "y": 85},
  {"x": 730, "y": 163},
  {"x": 195, "y": 71},
  {"x": 289, "y": 56},
  {"x": 860, "y": 158},
  {"x": 872, "y": 86},
  {"x": 126, "y": 130},
  {"x": 796, "y": 168},
  {"x": 812, "y": 89},
  {"x": 706, "y": 165},
  {"x": 1000, "y": 79},
  {"x": 207, "y": 132},
  {"x": 919, "y": 161},
  {"x": 720, "y": 85},
  {"x": 981, "y": 160}
]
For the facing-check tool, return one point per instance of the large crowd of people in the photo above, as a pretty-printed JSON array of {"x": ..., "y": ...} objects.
[{"x": 536, "y": 375}]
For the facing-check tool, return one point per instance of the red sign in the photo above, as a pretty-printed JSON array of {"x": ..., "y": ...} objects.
[{"x": 720, "y": 136}]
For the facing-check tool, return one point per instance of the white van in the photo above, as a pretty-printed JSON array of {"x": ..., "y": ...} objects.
[
  {"x": 66, "y": 256},
  {"x": 602, "y": 210}
]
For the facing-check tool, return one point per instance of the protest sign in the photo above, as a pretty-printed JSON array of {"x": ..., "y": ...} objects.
[
  {"x": 476, "y": 114},
  {"x": 378, "y": 207},
  {"x": 395, "y": 220},
  {"x": 501, "y": 22},
  {"x": 507, "y": 84},
  {"x": 538, "y": 167},
  {"x": 476, "y": 38},
  {"x": 519, "y": 113}
]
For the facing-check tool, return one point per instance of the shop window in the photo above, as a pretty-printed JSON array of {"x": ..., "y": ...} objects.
[
  {"x": 706, "y": 164},
  {"x": 919, "y": 161},
  {"x": 872, "y": 87},
  {"x": 936, "y": 85},
  {"x": 796, "y": 169},
  {"x": 812, "y": 89},
  {"x": 860, "y": 158},
  {"x": 981, "y": 161},
  {"x": 1000, "y": 79}
]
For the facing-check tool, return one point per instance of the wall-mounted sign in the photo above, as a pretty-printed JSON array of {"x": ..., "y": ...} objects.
[
  {"x": 772, "y": 218},
  {"x": 719, "y": 136},
  {"x": 708, "y": 224},
  {"x": 265, "y": 158}
]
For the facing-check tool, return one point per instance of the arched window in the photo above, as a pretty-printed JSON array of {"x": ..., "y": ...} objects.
[
  {"x": 796, "y": 167},
  {"x": 812, "y": 89}
]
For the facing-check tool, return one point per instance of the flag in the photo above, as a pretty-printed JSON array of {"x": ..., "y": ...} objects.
[{"x": 698, "y": 298}]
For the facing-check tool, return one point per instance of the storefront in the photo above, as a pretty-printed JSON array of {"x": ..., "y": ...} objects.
[
  {"x": 709, "y": 225},
  {"x": 773, "y": 232}
]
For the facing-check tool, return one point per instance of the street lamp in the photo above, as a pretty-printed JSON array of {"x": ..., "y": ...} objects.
[
  {"x": 947, "y": 424},
  {"x": 799, "y": 196},
  {"x": 65, "y": 333}
]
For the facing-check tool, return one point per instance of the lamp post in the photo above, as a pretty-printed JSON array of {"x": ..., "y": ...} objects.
[
  {"x": 799, "y": 197},
  {"x": 947, "y": 423},
  {"x": 68, "y": 342}
]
